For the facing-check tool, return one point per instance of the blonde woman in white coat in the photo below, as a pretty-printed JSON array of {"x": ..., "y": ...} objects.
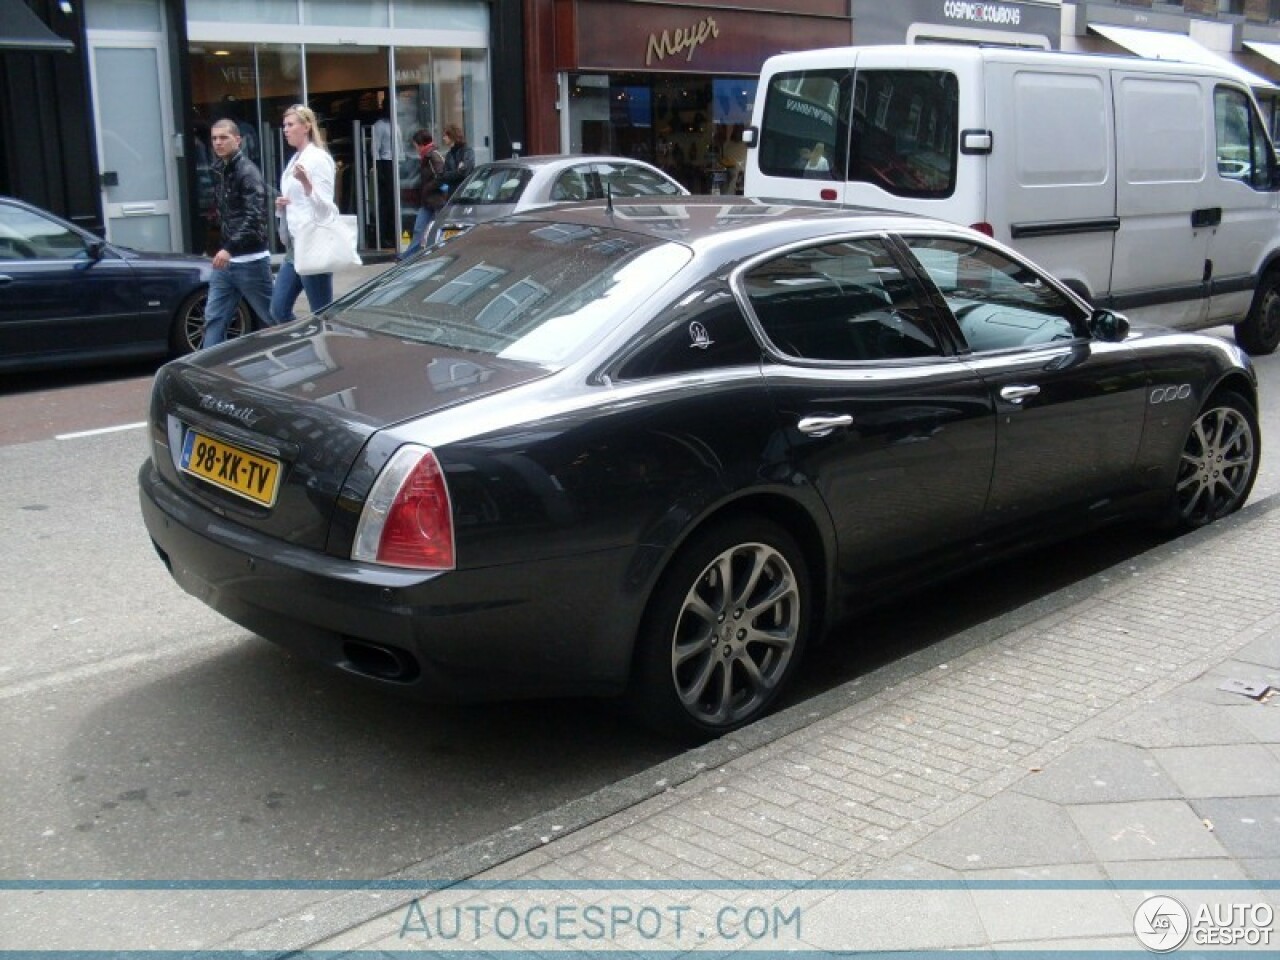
[{"x": 306, "y": 194}]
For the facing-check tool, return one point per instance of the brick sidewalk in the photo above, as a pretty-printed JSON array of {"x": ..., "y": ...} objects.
[{"x": 1088, "y": 743}]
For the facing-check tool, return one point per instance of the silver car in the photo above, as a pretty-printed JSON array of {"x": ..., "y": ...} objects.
[{"x": 522, "y": 183}]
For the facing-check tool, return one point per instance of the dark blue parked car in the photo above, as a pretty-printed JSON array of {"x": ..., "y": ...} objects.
[{"x": 69, "y": 297}]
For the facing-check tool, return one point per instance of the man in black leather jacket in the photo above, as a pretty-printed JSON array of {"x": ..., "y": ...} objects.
[{"x": 242, "y": 267}]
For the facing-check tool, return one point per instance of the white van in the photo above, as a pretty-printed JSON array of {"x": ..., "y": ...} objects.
[{"x": 1149, "y": 187}]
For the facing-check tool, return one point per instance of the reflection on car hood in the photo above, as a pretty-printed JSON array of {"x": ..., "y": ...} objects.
[{"x": 374, "y": 378}]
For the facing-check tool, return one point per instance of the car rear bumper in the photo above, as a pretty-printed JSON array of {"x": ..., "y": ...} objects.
[{"x": 546, "y": 629}]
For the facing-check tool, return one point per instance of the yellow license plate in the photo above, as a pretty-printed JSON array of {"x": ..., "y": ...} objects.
[{"x": 231, "y": 468}]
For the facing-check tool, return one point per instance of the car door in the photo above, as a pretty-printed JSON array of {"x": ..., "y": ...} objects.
[
  {"x": 61, "y": 291},
  {"x": 1069, "y": 409},
  {"x": 896, "y": 435}
]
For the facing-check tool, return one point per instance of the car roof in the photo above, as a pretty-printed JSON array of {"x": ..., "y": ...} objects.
[
  {"x": 561, "y": 159},
  {"x": 702, "y": 221}
]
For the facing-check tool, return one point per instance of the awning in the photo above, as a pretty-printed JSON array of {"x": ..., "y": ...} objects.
[
  {"x": 21, "y": 29},
  {"x": 1160, "y": 45},
  {"x": 1269, "y": 50}
]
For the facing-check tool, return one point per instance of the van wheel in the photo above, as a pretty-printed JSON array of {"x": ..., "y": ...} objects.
[
  {"x": 724, "y": 631},
  {"x": 1219, "y": 462},
  {"x": 1259, "y": 334}
]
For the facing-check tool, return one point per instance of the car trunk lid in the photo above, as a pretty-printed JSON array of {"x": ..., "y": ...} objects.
[{"x": 266, "y": 429}]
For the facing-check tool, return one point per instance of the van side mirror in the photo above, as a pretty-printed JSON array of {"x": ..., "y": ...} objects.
[{"x": 1108, "y": 327}]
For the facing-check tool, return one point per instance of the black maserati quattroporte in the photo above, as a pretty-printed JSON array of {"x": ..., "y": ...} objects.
[{"x": 651, "y": 448}]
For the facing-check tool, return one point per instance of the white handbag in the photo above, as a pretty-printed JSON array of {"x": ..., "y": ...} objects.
[{"x": 326, "y": 246}]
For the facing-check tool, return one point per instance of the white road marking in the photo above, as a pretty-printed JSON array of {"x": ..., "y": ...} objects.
[{"x": 101, "y": 430}]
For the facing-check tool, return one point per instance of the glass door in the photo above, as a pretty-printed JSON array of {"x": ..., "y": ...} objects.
[
  {"x": 128, "y": 58},
  {"x": 347, "y": 88}
]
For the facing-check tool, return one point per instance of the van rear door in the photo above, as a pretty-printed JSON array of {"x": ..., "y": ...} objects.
[
  {"x": 802, "y": 113},
  {"x": 1163, "y": 134}
]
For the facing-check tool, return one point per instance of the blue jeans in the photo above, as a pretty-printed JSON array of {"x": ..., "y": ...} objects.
[
  {"x": 420, "y": 224},
  {"x": 248, "y": 281},
  {"x": 318, "y": 287}
]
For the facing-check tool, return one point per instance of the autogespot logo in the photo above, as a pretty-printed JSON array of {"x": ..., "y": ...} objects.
[{"x": 1162, "y": 924}]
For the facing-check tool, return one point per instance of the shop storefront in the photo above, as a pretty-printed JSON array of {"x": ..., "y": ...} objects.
[
  {"x": 669, "y": 83},
  {"x": 1016, "y": 24},
  {"x": 373, "y": 72}
]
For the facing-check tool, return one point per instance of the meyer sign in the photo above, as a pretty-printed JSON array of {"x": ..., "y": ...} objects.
[{"x": 671, "y": 42}]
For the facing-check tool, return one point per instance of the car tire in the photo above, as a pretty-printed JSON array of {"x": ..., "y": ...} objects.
[
  {"x": 1259, "y": 333},
  {"x": 186, "y": 334},
  {"x": 724, "y": 631},
  {"x": 1218, "y": 461}
]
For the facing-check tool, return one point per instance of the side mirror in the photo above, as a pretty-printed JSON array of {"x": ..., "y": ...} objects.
[
  {"x": 95, "y": 247},
  {"x": 1108, "y": 327}
]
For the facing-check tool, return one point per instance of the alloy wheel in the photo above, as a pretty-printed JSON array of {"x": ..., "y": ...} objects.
[
  {"x": 1217, "y": 466},
  {"x": 736, "y": 634}
]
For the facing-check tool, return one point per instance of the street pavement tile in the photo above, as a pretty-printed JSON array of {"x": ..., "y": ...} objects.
[
  {"x": 1249, "y": 827},
  {"x": 1010, "y": 830},
  {"x": 1145, "y": 830},
  {"x": 1261, "y": 720},
  {"x": 1237, "y": 770},
  {"x": 1264, "y": 651},
  {"x": 1179, "y": 722},
  {"x": 1100, "y": 771},
  {"x": 1014, "y": 916}
]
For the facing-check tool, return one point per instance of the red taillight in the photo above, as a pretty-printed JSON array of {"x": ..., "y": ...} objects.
[
  {"x": 827, "y": 193},
  {"x": 407, "y": 520},
  {"x": 984, "y": 227}
]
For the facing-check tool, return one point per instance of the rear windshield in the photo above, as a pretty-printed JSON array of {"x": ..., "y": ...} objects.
[
  {"x": 494, "y": 185},
  {"x": 895, "y": 129},
  {"x": 524, "y": 291}
]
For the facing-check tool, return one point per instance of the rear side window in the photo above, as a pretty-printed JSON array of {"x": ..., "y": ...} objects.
[
  {"x": 705, "y": 331},
  {"x": 895, "y": 129},
  {"x": 841, "y": 302},
  {"x": 494, "y": 185},
  {"x": 629, "y": 180}
]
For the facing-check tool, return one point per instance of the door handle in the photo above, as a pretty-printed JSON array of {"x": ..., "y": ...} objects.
[
  {"x": 821, "y": 426},
  {"x": 1017, "y": 392},
  {"x": 1206, "y": 217}
]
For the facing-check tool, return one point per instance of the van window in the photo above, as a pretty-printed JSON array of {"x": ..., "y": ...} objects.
[
  {"x": 1244, "y": 152},
  {"x": 805, "y": 126},
  {"x": 904, "y": 126},
  {"x": 905, "y": 131}
]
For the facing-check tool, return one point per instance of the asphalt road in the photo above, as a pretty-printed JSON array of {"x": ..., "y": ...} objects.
[{"x": 144, "y": 737}]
